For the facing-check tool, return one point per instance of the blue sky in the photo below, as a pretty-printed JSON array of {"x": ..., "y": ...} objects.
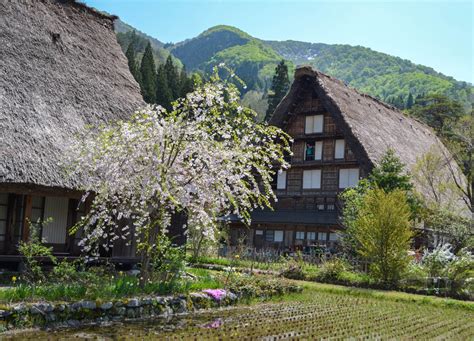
[{"x": 434, "y": 33}]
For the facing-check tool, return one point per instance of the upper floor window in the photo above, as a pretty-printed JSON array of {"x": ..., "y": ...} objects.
[
  {"x": 281, "y": 180},
  {"x": 348, "y": 177},
  {"x": 313, "y": 151},
  {"x": 339, "y": 149},
  {"x": 311, "y": 235},
  {"x": 312, "y": 179},
  {"x": 300, "y": 235},
  {"x": 314, "y": 124}
]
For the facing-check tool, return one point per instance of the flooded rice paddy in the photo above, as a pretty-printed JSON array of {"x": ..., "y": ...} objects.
[{"x": 312, "y": 316}]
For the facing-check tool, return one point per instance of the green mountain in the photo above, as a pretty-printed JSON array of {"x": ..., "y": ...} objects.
[
  {"x": 126, "y": 33},
  {"x": 250, "y": 58},
  {"x": 389, "y": 78},
  {"x": 378, "y": 74}
]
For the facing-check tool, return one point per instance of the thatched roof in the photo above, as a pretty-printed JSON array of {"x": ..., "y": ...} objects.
[
  {"x": 369, "y": 125},
  {"x": 61, "y": 68}
]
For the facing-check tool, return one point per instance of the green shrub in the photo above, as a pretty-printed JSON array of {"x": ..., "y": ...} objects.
[
  {"x": 293, "y": 268},
  {"x": 32, "y": 250},
  {"x": 461, "y": 273},
  {"x": 332, "y": 270}
]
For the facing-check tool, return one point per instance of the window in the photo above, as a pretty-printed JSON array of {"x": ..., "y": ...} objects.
[
  {"x": 281, "y": 180},
  {"x": 314, "y": 124},
  {"x": 321, "y": 207},
  {"x": 259, "y": 232},
  {"x": 322, "y": 236},
  {"x": 348, "y": 177},
  {"x": 3, "y": 215},
  {"x": 311, "y": 235},
  {"x": 313, "y": 151},
  {"x": 339, "y": 150},
  {"x": 312, "y": 179},
  {"x": 278, "y": 236},
  {"x": 330, "y": 207},
  {"x": 300, "y": 235},
  {"x": 269, "y": 235},
  {"x": 333, "y": 237}
]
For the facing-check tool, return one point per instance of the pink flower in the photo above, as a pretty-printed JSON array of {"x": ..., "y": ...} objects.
[{"x": 216, "y": 294}]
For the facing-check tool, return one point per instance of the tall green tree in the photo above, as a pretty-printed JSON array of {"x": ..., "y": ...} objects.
[
  {"x": 390, "y": 174},
  {"x": 383, "y": 233},
  {"x": 279, "y": 88},
  {"x": 132, "y": 62},
  {"x": 148, "y": 75},
  {"x": 410, "y": 102},
  {"x": 172, "y": 75},
  {"x": 438, "y": 111},
  {"x": 163, "y": 92},
  {"x": 185, "y": 83}
]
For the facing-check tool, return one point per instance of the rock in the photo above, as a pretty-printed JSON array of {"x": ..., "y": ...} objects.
[
  {"x": 159, "y": 300},
  {"x": 179, "y": 305},
  {"x": 60, "y": 307},
  {"x": 120, "y": 311},
  {"x": 73, "y": 323},
  {"x": 133, "y": 303},
  {"x": 75, "y": 306},
  {"x": 41, "y": 308},
  {"x": 146, "y": 301},
  {"x": 106, "y": 306},
  {"x": 91, "y": 305},
  {"x": 231, "y": 296},
  {"x": 118, "y": 304},
  {"x": 130, "y": 313},
  {"x": 5, "y": 313},
  {"x": 51, "y": 317},
  {"x": 166, "y": 312},
  {"x": 20, "y": 308}
]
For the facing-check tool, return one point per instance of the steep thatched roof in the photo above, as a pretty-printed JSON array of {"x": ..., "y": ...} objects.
[
  {"x": 61, "y": 68},
  {"x": 369, "y": 125}
]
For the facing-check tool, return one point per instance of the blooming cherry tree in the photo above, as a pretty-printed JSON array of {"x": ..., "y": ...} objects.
[{"x": 208, "y": 158}]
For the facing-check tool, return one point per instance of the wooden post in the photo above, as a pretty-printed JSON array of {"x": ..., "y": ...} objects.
[{"x": 27, "y": 218}]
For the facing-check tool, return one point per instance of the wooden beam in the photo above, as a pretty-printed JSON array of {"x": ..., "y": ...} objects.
[{"x": 27, "y": 218}]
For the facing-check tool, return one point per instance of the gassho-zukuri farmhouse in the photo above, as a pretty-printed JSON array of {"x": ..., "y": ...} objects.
[
  {"x": 61, "y": 69},
  {"x": 339, "y": 136}
]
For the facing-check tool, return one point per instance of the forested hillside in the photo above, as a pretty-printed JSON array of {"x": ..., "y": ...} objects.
[
  {"x": 392, "y": 79},
  {"x": 389, "y": 78},
  {"x": 251, "y": 59}
]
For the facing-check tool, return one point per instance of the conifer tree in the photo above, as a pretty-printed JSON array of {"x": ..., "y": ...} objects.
[
  {"x": 280, "y": 85},
  {"x": 148, "y": 75},
  {"x": 172, "y": 76},
  {"x": 185, "y": 83},
  {"x": 409, "y": 103},
  {"x": 163, "y": 93},
  {"x": 132, "y": 62}
]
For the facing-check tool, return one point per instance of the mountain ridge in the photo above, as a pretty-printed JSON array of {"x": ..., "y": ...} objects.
[{"x": 386, "y": 77}]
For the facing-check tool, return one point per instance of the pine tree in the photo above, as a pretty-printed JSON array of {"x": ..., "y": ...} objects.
[
  {"x": 409, "y": 104},
  {"x": 148, "y": 75},
  {"x": 172, "y": 77},
  {"x": 132, "y": 62},
  {"x": 163, "y": 93},
  {"x": 280, "y": 85},
  {"x": 185, "y": 83}
]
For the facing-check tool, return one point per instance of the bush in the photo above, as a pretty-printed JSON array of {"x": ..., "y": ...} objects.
[
  {"x": 293, "y": 268},
  {"x": 461, "y": 273},
  {"x": 332, "y": 270},
  {"x": 168, "y": 261},
  {"x": 383, "y": 234},
  {"x": 32, "y": 251},
  {"x": 435, "y": 261}
]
